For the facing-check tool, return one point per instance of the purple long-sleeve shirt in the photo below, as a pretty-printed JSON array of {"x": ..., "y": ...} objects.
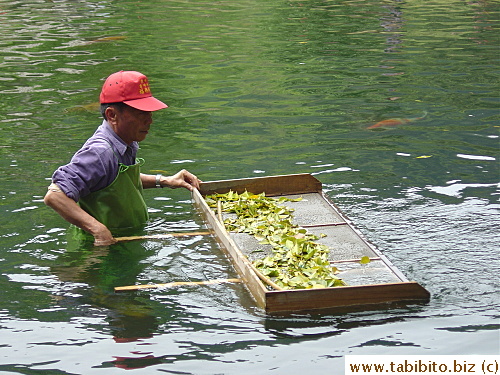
[{"x": 95, "y": 165}]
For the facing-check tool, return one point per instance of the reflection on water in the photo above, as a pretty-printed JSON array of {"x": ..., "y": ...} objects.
[{"x": 260, "y": 88}]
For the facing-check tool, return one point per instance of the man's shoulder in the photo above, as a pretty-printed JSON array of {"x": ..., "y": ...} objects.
[
  {"x": 97, "y": 146},
  {"x": 97, "y": 143},
  {"x": 95, "y": 152}
]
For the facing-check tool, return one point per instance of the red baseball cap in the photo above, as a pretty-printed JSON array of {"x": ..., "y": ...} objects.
[{"x": 131, "y": 88}]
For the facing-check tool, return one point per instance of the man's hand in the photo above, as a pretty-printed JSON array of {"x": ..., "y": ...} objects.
[
  {"x": 183, "y": 179},
  {"x": 103, "y": 237},
  {"x": 74, "y": 214}
]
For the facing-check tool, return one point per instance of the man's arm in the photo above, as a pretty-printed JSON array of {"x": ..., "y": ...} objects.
[
  {"x": 73, "y": 213},
  {"x": 181, "y": 179}
]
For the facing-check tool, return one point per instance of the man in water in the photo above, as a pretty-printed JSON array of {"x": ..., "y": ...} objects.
[{"x": 100, "y": 190}]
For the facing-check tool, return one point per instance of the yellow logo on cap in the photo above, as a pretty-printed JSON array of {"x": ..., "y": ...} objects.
[{"x": 144, "y": 86}]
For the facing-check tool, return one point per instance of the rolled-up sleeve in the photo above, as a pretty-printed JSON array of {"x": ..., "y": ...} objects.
[{"x": 90, "y": 169}]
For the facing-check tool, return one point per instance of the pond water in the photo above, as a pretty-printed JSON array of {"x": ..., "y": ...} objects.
[{"x": 255, "y": 88}]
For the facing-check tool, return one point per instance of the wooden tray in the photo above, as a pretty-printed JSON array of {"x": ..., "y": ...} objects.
[{"x": 375, "y": 283}]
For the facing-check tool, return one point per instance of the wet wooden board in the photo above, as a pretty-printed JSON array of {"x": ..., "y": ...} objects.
[{"x": 377, "y": 282}]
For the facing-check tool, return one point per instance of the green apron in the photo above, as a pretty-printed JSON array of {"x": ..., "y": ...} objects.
[{"x": 120, "y": 205}]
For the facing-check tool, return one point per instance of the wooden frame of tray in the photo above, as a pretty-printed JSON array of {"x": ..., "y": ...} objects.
[{"x": 393, "y": 285}]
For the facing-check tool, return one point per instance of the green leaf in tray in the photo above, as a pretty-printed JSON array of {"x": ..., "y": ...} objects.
[
  {"x": 297, "y": 261},
  {"x": 365, "y": 260}
]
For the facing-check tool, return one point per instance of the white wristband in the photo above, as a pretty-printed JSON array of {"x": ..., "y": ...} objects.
[{"x": 158, "y": 177}]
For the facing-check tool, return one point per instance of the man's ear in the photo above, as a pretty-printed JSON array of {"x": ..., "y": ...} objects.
[{"x": 111, "y": 113}]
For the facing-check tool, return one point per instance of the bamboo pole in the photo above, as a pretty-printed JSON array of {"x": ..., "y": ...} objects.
[
  {"x": 174, "y": 284},
  {"x": 264, "y": 278},
  {"x": 160, "y": 236},
  {"x": 219, "y": 212}
]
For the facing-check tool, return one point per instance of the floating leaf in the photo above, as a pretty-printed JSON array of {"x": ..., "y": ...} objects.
[{"x": 365, "y": 260}]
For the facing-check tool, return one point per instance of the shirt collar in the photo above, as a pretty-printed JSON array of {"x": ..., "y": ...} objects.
[{"x": 119, "y": 145}]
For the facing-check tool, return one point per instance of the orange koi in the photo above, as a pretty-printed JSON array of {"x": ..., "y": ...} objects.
[{"x": 395, "y": 122}]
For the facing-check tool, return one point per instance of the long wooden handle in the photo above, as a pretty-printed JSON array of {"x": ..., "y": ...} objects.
[
  {"x": 174, "y": 284},
  {"x": 160, "y": 236}
]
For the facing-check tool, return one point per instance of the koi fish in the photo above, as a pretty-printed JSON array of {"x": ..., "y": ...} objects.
[
  {"x": 91, "y": 107},
  {"x": 395, "y": 122}
]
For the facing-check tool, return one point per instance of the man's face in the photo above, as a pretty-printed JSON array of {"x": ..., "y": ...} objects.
[{"x": 131, "y": 124}]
